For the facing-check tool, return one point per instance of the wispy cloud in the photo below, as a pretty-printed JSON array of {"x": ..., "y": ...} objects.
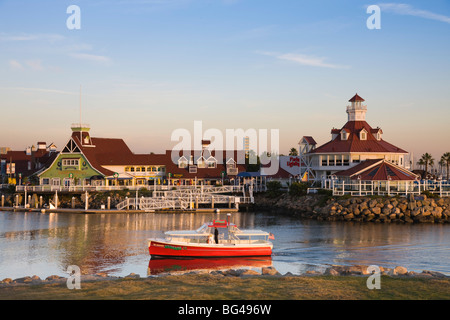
[
  {"x": 91, "y": 57},
  {"x": 305, "y": 60},
  {"x": 406, "y": 9},
  {"x": 41, "y": 90},
  {"x": 16, "y": 65},
  {"x": 31, "y": 37},
  {"x": 35, "y": 65}
]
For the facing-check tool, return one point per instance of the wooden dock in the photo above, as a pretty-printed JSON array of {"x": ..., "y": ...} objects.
[{"x": 113, "y": 211}]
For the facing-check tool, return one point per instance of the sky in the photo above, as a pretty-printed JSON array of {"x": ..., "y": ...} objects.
[{"x": 149, "y": 67}]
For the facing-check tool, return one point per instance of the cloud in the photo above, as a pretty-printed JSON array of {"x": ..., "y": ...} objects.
[
  {"x": 406, "y": 9},
  {"x": 35, "y": 65},
  {"x": 31, "y": 37},
  {"x": 41, "y": 90},
  {"x": 305, "y": 60},
  {"x": 91, "y": 57},
  {"x": 16, "y": 65}
]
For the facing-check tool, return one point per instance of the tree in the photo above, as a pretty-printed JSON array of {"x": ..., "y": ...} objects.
[
  {"x": 426, "y": 160},
  {"x": 293, "y": 152},
  {"x": 446, "y": 161}
]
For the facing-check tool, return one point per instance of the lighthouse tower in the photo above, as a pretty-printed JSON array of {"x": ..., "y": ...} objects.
[{"x": 356, "y": 111}]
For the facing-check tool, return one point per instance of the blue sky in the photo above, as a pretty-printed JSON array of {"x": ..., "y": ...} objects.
[{"x": 148, "y": 67}]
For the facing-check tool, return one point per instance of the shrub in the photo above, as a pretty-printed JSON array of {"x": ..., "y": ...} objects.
[
  {"x": 273, "y": 188},
  {"x": 298, "y": 189}
]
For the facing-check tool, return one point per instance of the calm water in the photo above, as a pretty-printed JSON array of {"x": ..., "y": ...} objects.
[{"x": 45, "y": 244}]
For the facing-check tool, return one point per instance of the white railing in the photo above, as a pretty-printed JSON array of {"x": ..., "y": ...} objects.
[{"x": 365, "y": 188}]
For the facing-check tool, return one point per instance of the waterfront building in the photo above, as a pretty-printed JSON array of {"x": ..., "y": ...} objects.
[
  {"x": 92, "y": 161},
  {"x": 18, "y": 166},
  {"x": 351, "y": 145}
]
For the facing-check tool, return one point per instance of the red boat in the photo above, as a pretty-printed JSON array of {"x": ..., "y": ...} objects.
[{"x": 230, "y": 242}]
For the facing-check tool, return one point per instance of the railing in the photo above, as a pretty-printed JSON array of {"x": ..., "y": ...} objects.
[{"x": 365, "y": 188}]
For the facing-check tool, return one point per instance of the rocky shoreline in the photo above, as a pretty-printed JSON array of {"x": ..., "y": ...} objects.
[
  {"x": 359, "y": 209},
  {"x": 334, "y": 270}
]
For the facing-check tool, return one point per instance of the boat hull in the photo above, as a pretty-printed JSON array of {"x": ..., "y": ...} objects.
[{"x": 172, "y": 249}]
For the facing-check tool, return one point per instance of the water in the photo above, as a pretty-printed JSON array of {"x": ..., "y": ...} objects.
[{"x": 39, "y": 244}]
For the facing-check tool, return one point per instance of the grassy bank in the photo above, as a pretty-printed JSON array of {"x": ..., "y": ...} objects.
[{"x": 218, "y": 287}]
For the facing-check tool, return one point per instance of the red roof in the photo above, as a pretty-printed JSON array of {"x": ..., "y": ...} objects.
[
  {"x": 354, "y": 144},
  {"x": 356, "y": 98},
  {"x": 310, "y": 140},
  {"x": 105, "y": 151},
  {"x": 377, "y": 170}
]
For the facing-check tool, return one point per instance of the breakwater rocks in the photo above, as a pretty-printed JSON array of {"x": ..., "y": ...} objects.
[
  {"x": 334, "y": 270},
  {"x": 360, "y": 209}
]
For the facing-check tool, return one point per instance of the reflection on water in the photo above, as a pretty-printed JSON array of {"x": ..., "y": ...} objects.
[
  {"x": 33, "y": 243},
  {"x": 163, "y": 265}
]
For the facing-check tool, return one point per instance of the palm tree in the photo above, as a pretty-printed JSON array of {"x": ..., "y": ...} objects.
[
  {"x": 293, "y": 152},
  {"x": 446, "y": 160},
  {"x": 426, "y": 160}
]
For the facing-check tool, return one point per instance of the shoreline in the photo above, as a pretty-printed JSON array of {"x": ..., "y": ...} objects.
[
  {"x": 333, "y": 270},
  {"x": 336, "y": 283},
  {"x": 374, "y": 209}
]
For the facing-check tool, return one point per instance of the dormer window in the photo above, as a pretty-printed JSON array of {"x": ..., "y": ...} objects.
[
  {"x": 344, "y": 135},
  {"x": 211, "y": 162},
  {"x": 182, "y": 163},
  {"x": 201, "y": 163},
  {"x": 363, "y": 134}
]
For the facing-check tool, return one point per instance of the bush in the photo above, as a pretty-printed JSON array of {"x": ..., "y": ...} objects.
[
  {"x": 298, "y": 189},
  {"x": 273, "y": 188}
]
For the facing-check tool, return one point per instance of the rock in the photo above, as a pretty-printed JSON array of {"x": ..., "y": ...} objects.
[
  {"x": 331, "y": 272},
  {"x": 376, "y": 210},
  {"x": 400, "y": 270},
  {"x": 7, "y": 280},
  {"x": 132, "y": 276},
  {"x": 372, "y": 203},
  {"x": 102, "y": 274},
  {"x": 271, "y": 271},
  {"x": 26, "y": 279},
  {"x": 250, "y": 273},
  {"x": 434, "y": 274},
  {"x": 53, "y": 277}
]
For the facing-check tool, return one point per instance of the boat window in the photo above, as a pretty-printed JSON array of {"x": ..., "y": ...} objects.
[{"x": 202, "y": 229}]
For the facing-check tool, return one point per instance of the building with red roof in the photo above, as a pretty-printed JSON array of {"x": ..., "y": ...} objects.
[
  {"x": 351, "y": 145},
  {"x": 17, "y": 166},
  {"x": 93, "y": 161}
]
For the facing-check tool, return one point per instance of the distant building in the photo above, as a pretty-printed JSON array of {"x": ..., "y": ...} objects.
[
  {"x": 351, "y": 145},
  {"x": 17, "y": 167},
  {"x": 92, "y": 161}
]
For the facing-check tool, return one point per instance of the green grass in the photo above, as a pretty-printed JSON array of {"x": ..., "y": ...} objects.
[{"x": 210, "y": 287}]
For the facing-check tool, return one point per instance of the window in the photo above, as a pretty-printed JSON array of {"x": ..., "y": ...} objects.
[
  {"x": 363, "y": 136},
  {"x": 71, "y": 162},
  {"x": 56, "y": 181},
  {"x": 344, "y": 135},
  {"x": 127, "y": 169},
  {"x": 201, "y": 162},
  {"x": 212, "y": 164},
  {"x": 193, "y": 169},
  {"x": 131, "y": 169},
  {"x": 45, "y": 181},
  {"x": 182, "y": 164}
]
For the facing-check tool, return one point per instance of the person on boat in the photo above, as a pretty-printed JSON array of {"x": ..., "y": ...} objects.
[{"x": 216, "y": 235}]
